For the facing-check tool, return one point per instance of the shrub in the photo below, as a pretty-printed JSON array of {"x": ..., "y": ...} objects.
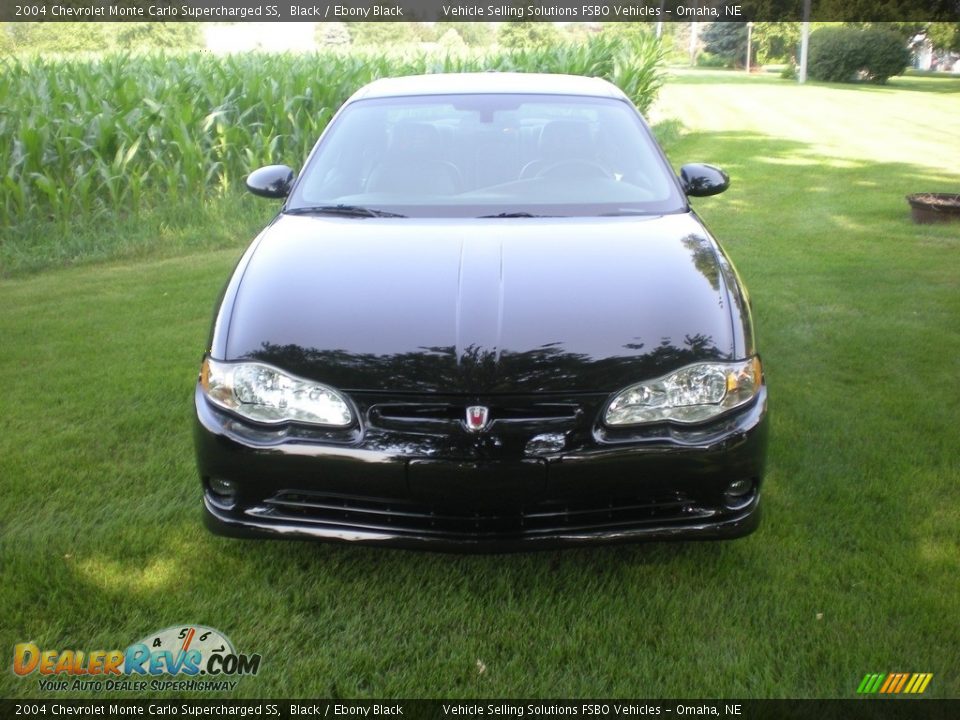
[
  {"x": 845, "y": 54},
  {"x": 886, "y": 54},
  {"x": 709, "y": 60}
]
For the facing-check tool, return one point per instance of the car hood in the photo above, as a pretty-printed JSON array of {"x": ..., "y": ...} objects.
[{"x": 482, "y": 306}]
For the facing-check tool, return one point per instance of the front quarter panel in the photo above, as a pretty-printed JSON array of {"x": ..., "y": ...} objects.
[{"x": 223, "y": 308}]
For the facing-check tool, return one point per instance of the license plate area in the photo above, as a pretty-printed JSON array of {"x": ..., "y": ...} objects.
[{"x": 476, "y": 483}]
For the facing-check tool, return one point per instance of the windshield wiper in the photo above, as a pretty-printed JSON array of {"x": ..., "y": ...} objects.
[
  {"x": 514, "y": 215},
  {"x": 346, "y": 210}
]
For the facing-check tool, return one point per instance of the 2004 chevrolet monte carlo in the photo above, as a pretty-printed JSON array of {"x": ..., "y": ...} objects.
[{"x": 485, "y": 318}]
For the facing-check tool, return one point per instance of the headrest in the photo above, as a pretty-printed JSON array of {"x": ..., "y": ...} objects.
[
  {"x": 414, "y": 137},
  {"x": 562, "y": 136}
]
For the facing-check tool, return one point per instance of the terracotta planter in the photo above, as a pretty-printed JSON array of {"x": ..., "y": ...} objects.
[{"x": 934, "y": 207}]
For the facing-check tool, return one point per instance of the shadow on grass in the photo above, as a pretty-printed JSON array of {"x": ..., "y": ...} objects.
[
  {"x": 943, "y": 83},
  {"x": 781, "y": 181}
]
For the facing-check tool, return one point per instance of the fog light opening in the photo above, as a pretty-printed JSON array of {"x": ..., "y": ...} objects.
[
  {"x": 739, "y": 494},
  {"x": 545, "y": 444},
  {"x": 223, "y": 492}
]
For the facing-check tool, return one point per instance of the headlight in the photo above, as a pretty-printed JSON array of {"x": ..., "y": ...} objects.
[
  {"x": 264, "y": 394},
  {"x": 689, "y": 395}
]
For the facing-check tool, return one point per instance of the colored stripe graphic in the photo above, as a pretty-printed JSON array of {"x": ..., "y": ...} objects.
[{"x": 894, "y": 683}]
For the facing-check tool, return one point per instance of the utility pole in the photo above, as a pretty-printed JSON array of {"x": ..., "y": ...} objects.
[
  {"x": 693, "y": 43},
  {"x": 749, "y": 44},
  {"x": 804, "y": 42}
]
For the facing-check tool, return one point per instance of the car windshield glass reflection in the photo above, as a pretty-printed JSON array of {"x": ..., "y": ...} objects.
[{"x": 494, "y": 156}]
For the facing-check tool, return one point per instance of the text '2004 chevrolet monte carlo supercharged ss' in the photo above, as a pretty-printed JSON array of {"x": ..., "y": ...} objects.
[{"x": 485, "y": 318}]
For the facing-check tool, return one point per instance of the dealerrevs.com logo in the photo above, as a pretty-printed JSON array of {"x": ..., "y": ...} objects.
[{"x": 182, "y": 657}]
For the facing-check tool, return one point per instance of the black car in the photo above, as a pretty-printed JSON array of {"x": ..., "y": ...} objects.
[{"x": 485, "y": 318}]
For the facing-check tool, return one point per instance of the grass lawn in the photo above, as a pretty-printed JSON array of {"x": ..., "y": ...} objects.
[{"x": 854, "y": 570}]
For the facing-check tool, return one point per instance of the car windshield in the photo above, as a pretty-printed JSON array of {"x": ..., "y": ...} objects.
[{"x": 487, "y": 155}]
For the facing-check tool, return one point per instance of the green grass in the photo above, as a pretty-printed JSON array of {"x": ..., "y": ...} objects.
[
  {"x": 854, "y": 569},
  {"x": 169, "y": 230}
]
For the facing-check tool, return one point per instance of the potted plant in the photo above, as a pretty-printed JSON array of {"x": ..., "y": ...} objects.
[{"x": 934, "y": 207}]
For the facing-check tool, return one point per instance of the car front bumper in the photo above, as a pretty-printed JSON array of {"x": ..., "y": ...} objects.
[{"x": 415, "y": 488}]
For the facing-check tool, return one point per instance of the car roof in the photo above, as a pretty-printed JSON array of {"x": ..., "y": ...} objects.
[{"x": 489, "y": 83}]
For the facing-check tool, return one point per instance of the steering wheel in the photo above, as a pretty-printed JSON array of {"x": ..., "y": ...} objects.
[{"x": 575, "y": 168}]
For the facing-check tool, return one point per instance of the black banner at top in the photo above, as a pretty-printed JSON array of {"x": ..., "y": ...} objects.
[{"x": 478, "y": 10}]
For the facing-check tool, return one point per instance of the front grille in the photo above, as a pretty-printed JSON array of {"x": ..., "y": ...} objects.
[
  {"x": 404, "y": 517},
  {"x": 446, "y": 415}
]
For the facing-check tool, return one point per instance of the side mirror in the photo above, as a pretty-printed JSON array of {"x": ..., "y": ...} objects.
[
  {"x": 272, "y": 181},
  {"x": 701, "y": 180}
]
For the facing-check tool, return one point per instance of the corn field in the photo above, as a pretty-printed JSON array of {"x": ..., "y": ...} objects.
[{"x": 82, "y": 138}]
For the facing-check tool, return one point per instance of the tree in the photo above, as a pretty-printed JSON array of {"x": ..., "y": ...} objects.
[
  {"x": 943, "y": 36},
  {"x": 6, "y": 38},
  {"x": 776, "y": 41},
  {"x": 158, "y": 36},
  {"x": 451, "y": 40},
  {"x": 381, "y": 33},
  {"x": 58, "y": 37},
  {"x": 474, "y": 34},
  {"x": 726, "y": 40},
  {"x": 576, "y": 33},
  {"x": 331, "y": 33},
  {"x": 100, "y": 37},
  {"x": 628, "y": 30},
  {"x": 527, "y": 34}
]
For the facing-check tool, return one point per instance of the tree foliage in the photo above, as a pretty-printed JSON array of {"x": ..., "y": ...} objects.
[
  {"x": 331, "y": 33},
  {"x": 776, "y": 41},
  {"x": 99, "y": 37},
  {"x": 451, "y": 41},
  {"x": 382, "y": 34},
  {"x": 628, "y": 30},
  {"x": 726, "y": 40},
  {"x": 474, "y": 34},
  {"x": 158, "y": 36},
  {"x": 527, "y": 34},
  {"x": 877, "y": 11},
  {"x": 943, "y": 36}
]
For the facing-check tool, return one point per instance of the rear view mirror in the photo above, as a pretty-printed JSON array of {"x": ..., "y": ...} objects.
[{"x": 700, "y": 180}]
